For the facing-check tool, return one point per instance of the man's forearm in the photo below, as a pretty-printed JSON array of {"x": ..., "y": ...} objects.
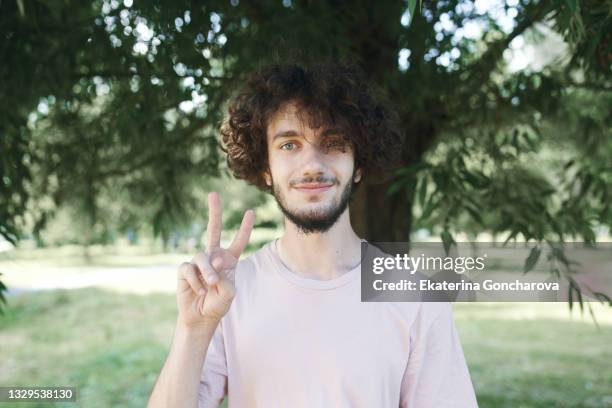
[{"x": 177, "y": 384}]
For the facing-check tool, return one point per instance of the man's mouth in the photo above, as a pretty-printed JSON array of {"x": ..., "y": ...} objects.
[{"x": 313, "y": 187}]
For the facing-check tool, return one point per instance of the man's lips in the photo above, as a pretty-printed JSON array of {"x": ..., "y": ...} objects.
[{"x": 313, "y": 187}]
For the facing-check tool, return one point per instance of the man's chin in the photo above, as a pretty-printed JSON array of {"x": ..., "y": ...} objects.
[
  {"x": 313, "y": 223},
  {"x": 311, "y": 217},
  {"x": 313, "y": 211}
]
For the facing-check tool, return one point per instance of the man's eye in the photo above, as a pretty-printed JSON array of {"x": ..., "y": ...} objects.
[{"x": 288, "y": 146}]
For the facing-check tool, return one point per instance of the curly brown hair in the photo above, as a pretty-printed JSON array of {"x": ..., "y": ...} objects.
[{"x": 328, "y": 93}]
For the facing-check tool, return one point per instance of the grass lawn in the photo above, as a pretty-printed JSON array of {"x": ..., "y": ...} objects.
[
  {"x": 536, "y": 355},
  {"x": 112, "y": 345}
]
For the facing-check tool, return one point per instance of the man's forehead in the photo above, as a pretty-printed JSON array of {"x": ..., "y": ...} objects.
[
  {"x": 290, "y": 113},
  {"x": 292, "y": 117},
  {"x": 286, "y": 110}
]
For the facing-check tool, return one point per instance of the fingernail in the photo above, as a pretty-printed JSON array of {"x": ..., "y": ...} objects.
[
  {"x": 212, "y": 278},
  {"x": 201, "y": 291}
]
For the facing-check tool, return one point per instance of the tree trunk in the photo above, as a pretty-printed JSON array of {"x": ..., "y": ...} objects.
[
  {"x": 375, "y": 215},
  {"x": 379, "y": 217}
]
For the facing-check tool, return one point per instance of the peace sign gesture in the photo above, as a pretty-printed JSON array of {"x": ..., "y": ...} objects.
[{"x": 205, "y": 288}]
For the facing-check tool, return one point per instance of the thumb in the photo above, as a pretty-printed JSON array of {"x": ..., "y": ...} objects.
[{"x": 226, "y": 290}]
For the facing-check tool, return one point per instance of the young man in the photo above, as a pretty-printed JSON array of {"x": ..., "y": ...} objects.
[{"x": 285, "y": 327}]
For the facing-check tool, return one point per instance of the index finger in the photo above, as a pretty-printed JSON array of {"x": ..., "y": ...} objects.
[
  {"x": 244, "y": 233},
  {"x": 213, "y": 230}
]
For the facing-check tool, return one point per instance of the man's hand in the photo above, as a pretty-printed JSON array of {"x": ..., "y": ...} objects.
[{"x": 205, "y": 287}]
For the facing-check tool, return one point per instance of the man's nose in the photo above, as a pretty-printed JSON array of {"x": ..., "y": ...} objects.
[{"x": 313, "y": 161}]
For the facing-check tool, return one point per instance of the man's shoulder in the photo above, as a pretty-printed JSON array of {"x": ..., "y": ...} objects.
[{"x": 431, "y": 315}]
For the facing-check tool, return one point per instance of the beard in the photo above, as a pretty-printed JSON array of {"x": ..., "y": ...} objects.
[{"x": 317, "y": 220}]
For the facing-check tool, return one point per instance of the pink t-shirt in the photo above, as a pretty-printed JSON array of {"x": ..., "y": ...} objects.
[{"x": 289, "y": 341}]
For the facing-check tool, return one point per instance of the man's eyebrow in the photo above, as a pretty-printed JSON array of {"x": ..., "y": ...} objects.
[
  {"x": 285, "y": 133},
  {"x": 331, "y": 131},
  {"x": 293, "y": 133}
]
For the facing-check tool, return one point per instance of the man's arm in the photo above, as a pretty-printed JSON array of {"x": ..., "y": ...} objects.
[
  {"x": 205, "y": 291},
  {"x": 178, "y": 382}
]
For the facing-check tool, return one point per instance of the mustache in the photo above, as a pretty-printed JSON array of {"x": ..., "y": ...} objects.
[{"x": 319, "y": 179}]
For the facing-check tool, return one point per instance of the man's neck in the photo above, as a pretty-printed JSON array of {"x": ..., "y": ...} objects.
[{"x": 321, "y": 256}]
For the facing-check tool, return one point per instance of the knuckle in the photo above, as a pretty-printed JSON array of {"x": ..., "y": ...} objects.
[
  {"x": 201, "y": 258},
  {"x": 185, "y": 268},
  {"x": 227, "y": 293}
]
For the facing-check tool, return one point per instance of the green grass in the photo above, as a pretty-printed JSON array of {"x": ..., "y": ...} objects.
[
  {"x": 109, "y": 345},
  {"x": 112, "y": 346},
  {"x": 540, "y": 361}
]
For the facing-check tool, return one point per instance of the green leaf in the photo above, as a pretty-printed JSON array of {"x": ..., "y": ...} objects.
[
  {"x": 471, "y": 178},
  {"x": 586, "y": 184},
  {"x": 2, "y": 298},
  {"x": 429, "y": 207},
  {"x": 579, "y": 293},
  {"x": 474, "y": 213},
  {"x": 532, "y": 259},
  {"x": 603, "y": 298},
  {"x": 559, "y": 254},
  {"x": 440, "y": 180},
  {"x": 569, "y": 164},
  {"x": 411, "y": 7},
  {"x": 21, "y": 8},
  {"x": 588, "y": 235},
  {"x": 422, "y": 191},
  {"x": 447, "y": 240},
  {"x": 510, "y": 237},
  {"x": 574, "y": 287},
  {"x": 395, "y": 187},
  {"x": 593, "y": 315}
]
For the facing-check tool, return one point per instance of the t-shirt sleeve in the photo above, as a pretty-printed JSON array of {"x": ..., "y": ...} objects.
[
  {"x": 436, "y": 374},
  {"x": 213, "y": 381}
]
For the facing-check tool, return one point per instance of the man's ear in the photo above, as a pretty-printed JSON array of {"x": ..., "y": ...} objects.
[
  {"x": 357, "y": 176},
  {"x": 267, "y": 178}
]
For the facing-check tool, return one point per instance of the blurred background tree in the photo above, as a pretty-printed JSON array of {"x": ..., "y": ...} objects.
[{"x": 110, "y": 110}]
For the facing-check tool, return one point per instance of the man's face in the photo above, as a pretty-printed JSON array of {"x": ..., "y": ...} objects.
[{"x": 311, "y": 170}]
